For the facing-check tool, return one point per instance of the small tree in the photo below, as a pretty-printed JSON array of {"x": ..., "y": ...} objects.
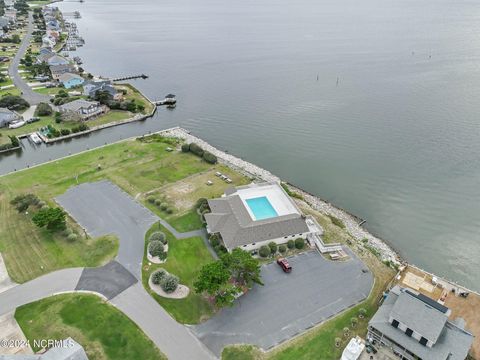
[
  {"x": 43, "y": 109},
  {"x": 282, "y": 249},
  {"x": 291, "y": 244},
  {"x": 214, "y": 240},
  {"x": 209, "y": 157},
  {"x": 158, "y": 276},
  {"x": 163, "y": 206},
  {"x": 158, "y": 236},
  {"x": 299, "y": 243},
  {"x": 338, "y": 342},
  {"x": 151, "y": 200},
  {"x": 158, "y": 202},
  {"x": 354, "y": 321},
  {"x": 197, "y": 150},
  {"x": 155, "y": 248},
  {"x": 264, "y": 251},
  {"x": 51, "y": 218},
  {"x": 185, "y": 148},
  {"x": 169, "y": 283},
  {"x": 273, "y": 247},
  {"x": 362, "y": 312},
  {"x": 346, "y": 331}
]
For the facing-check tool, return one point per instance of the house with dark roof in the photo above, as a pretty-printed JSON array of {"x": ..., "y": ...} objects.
[
  {"x": 254, "y": 215},
  {"x": 414, "y": 327}
]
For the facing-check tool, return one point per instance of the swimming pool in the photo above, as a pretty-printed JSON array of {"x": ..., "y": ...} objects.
[{"x": 261, "y": 208}]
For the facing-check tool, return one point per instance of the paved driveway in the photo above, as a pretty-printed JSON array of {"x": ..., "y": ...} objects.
[
  {"x": 288, "y": 304},
  {"x": 103, "y": 208}
]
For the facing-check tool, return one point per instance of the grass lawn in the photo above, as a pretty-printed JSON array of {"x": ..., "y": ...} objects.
[
  {"x": 10, "y": 91},
  {"x": 136, "y": 166},
  {"x": 48, "y": 91},
  {"x": 27, "y": 128},
  {"x": 134, "y": 94},
  {"x": 319, "y": 343},
  {"x": 185, "y": 259},
  {"x": 106, "y": 333},
  {"x": 183, "y": 194},
  {"x": 111, "y": 116}
]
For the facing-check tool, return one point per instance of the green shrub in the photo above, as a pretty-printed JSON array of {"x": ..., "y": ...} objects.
[
  {"x": 185, "y": 148},
  {"x": 158, "y": 202},
  {"x": 22, "y": 202},
  {"x": 273, "y": 247},
  {"x": 158, "y": 236},
  {"x": 209, "y": 157},
  {"x": 151, "y": 200},
  {"x": 72, "y": 237},
  {"x": 264, "y": 251},
  {"x": 158, "y": 276},
  {"x": 43, "y": 109},
  {"x": 214, "y": 240},
  {"x": 291, "y": 244},
  {"x": 41, "y": 203},
  {"x": 282, "y": 249},
  {"x": 299, "y": 243},
  {"x": 169, "y": 283},
  {"x": 201, "y": 203},
  {"x": 65, "y": 132},
  {"x": 163, "y": 206},
  {"x": 67, "y": 232},
  {"x": 337, "y": 221},
  {"x": 197, "y": 150},
  {"x": 169, "y": 210},
  {"x": 155, "y": 248}
]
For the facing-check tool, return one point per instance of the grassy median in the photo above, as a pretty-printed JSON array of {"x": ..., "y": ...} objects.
[{"x": 104, "y": 332}]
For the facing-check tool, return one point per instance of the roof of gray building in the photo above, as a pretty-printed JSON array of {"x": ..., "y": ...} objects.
[
  {"x": 419, "y": 316},
  {"x": 230, "y": 218},
  {"x": 452, "y": 340},
  {"x": 78, "y": 104},
  {"x": 62, "y": 67}
]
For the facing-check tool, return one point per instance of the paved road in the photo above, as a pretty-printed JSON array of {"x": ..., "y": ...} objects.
[
  {"x": 103, "y": 208},
  {"x": 288, "y": 304},
  {"x": 28, "y": 94},
  {"x": 47, "y": 285}
]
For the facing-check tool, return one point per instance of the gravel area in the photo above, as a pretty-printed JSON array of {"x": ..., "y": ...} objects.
[{"x": 351, "y": 223}]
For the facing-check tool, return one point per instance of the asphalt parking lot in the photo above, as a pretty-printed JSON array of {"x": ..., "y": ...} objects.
[
  {"x": 103, "y": 208},
  {"x": 288, "y": 304}
]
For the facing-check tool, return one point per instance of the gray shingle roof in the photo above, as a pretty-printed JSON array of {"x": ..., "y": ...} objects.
[
  {"x": 452, "y": 340},
  {"x": 230, "y": 218},
  {"x": 418, "y": 316},
  {"x": 76, "y": 105}
]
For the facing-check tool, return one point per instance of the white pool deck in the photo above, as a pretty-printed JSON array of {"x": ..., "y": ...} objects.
[{"x": 274, "y": 193}]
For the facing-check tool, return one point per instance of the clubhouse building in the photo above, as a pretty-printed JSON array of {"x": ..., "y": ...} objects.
[{"x": 254, "y": 215}]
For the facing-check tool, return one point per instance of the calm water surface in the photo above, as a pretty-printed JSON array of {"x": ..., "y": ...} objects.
[{"x": 396, "y": 140}]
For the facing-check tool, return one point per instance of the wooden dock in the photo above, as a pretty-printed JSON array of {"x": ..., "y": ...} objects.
[{"x": 141, "y": 76}]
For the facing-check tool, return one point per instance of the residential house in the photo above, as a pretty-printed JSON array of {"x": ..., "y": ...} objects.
[
  {"x": 11, "y": 15},
  {"x": 4, "y": 22},
  {"x": 52, "y": 24},
  {"x": 45, "y": 53},
  {"x": 254, "y": 215},
  {"x": 82, "y": 109},
  {"x": 56, "y": 60},
  {"x": 415, "y": 326},
  {"x": 91, "y": 87},
  {"x": 48, "y": 41},
  {"x": 69, "y": 80},
  {"x": 58, "y": 70},
  {"x": 8, "y": 116}
]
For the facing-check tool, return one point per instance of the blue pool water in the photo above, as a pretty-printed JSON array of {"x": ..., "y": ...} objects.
[{"x": 261, "y": 208}]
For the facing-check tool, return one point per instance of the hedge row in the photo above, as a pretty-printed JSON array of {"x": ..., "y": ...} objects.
[{"x": 197, "y": 150}]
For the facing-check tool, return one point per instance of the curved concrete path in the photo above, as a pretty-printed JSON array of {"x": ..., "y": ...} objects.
[
  {"x": 28, "y": 94},
  {"x": 103, "y": 208}
]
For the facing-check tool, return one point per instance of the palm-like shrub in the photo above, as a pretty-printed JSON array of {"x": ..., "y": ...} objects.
[{"x": 155, "y": 248}]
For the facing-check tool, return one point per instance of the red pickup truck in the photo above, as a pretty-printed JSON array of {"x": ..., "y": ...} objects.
[{"x": 286, "y": 267}]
